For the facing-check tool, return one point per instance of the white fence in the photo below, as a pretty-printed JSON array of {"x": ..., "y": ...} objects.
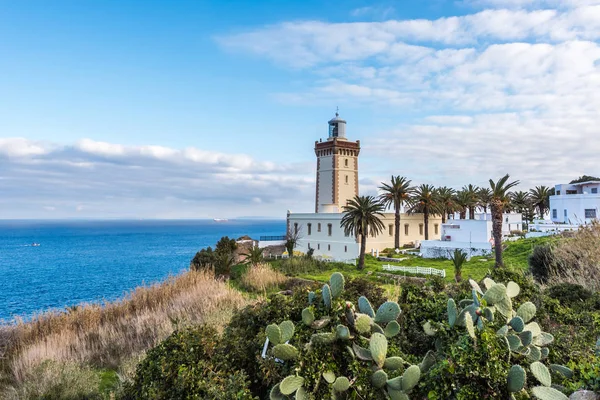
[{"x": 416, "y": 270}]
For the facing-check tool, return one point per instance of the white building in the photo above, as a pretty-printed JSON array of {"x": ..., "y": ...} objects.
[
  {"x": 510, "y": 221},
  {"x": 575, "y": 203},
  {"x": 473, "y": 236},
  {"x": 336, "y": 184}
]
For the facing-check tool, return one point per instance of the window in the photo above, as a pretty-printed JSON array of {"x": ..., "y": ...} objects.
[
  {"x": 391, "y": 229},
  {"x": 318, "y": 246},
  {"x": 346, "y": 163},
  {"x": 566, "y": 213},
  {"x": 329, "y": 229},
  {"x": 328, "y": 247},
  {"x": 436, "y": 228},
  {"x": 295, "y": 228},
  {"x": 421, "y": 229},
  {"x": 554, "y": 213},
  {"x": 406, "y": 229},
  {"x": 319, "y": 227},
  {"x": 594, "y": 190},
  {"x": 590, "y": 213},
  {"x": 345, "y": 249},
  {"x": 558, "y": 192},
  {"x": 309, "y": 246},
  {"x": 346, "y": 179},
  {"x": 571, "y": 191},
  {"x": 309, "y": 228}
]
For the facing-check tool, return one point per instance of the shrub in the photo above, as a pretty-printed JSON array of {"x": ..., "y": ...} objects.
[
  {"x": 261, "y": 278},
  {"x": 569, "y": 294},
  {"x": 542, "y": 263},
  {"x": 186, "y": 365},
  {"x": 301, "y": 265}
]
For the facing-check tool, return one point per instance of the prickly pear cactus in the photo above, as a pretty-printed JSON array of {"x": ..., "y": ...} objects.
[{"x": 338, "y": 325}]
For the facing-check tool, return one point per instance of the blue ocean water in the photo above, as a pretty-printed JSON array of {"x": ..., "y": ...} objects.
[{"x": 92, "y": 261}]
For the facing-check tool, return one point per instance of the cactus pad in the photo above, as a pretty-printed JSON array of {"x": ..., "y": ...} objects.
[
  {"x": 301, "y": 394},
  {"x": 362, "y": 323},
  {"x": 526, "y": 337},
  {"x": 287, "y": 330},
  {"x": 377, "y": 328},
  {"x": 410, "y": 378},
  {"x": 337, "y": 284},
  {"x": 453, "y": 311},
  {"x": 517, "y": 324},
  {"x": 541, "y": 373},
  {"x": 342, "y": 332},
  {"x": 341, "y": 384},
  {"x": 274, "y": 334},
  {"x": 534, "y": 328},
  {"x": 475, "y": 286},
  {"x": 429, "y": 330},
  {"x": 495, "y": 294},
  {"x": 395, "y": 383},
  {"x": 321, "y": 323},
  {"x": 545, "y": 352},
  {"x": 365, "y": 307},
  {"x": 311, "y": 297},
  {"x": 488, "y": 283},
  {"x": 308, "y": 317},
  {"x": 535, "y": 353},
  {"x": 379, "y": 379},
  {"x": 469, "y": 325},
  {"x": 527, "y": 311},
  {"x": 323, "y": 338},
  {"x": 502, "y": 331},
  {"x": 516, "y": 379},
  {"x": 326, "y": 293},
  {"x": 362, "y": 353},
  {"x": 285, "y": 352},
  {"x": 329, "y": 376},
  {"x": 378, "y": 346},
  {"x": 548, "y": 393},
  {"x": 561, "y": 369},
  {"x": 387, "y": 312},
  {"x": 397, "y": 395},
  {"x": 512, "y": 289},
  {"x": 276, "y": 394},
  {"x": 392, "y": 329},
  {"x": 290, "y": 384},
  {"x": 543, "y": 339},
  {"x": 488, "y": 314},
  {"x": 393, "y": 363},
  {"x": 428, "y": 361},
  {"x": 514, "y": 342}
]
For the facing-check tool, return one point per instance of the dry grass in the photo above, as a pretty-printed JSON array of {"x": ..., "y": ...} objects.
[
  {"x": 262, "y": 278},
  {"x": 579, "y": 258},
  {"x": 105, "y": 336}
]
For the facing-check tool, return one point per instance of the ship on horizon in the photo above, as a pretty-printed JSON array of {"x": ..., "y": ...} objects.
[{"x": 220, "y": 219}]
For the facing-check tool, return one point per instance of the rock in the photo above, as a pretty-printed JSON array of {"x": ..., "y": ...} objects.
[{"x": 584, "y": 395}]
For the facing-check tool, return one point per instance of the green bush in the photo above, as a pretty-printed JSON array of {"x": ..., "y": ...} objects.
[
  {"x": 185, "y": 366},
  {"x": 569, "y": 294},
  {"x": 587, "y": 374},
  {"x": 542, "y": 263},
  {"x": 301, "y": 265}
]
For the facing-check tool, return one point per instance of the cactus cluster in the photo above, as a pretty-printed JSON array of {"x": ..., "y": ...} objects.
[
  {"x": 391, "y": 375},
  {"x": 524, "y": 338}
]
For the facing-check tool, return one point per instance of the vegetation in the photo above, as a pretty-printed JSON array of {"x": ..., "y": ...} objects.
[
  {"x": 254, "y": 256},
  {"x": 361, "y": 218},
  {"x": 262, "y": 278},
  {"x": 396, "y": 194},
  {"x": 424, "y": 201},
  {"x": 500, "y": 199},
  {"x": 458, "y": 258},
  {"x": 540, "y": 199},
  {"x": 585, "y": 178},
  {"x": 445, "y": 198}
]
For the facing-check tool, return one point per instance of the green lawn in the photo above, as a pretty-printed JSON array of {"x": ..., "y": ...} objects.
[{"x": 515, "y": 257}]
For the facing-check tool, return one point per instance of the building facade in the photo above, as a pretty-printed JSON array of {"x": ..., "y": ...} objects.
[
  {"x": 575, "y": 203},
  {"x": 472, "y": 236},
  {"x": 336, "y": 184}
]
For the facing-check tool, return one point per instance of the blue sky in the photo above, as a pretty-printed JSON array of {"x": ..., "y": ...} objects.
[{"x": 186, "y": 109}]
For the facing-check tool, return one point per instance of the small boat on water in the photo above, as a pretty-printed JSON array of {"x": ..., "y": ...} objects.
[
  {"x": 35, "y": 244},
  {"x": 220, "y": 219}
]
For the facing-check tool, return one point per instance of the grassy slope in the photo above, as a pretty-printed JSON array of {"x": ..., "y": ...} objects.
[{"x": 515, "y": 257}]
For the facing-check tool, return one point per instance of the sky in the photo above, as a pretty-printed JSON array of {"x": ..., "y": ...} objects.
[{"x": 210, "y": 109}]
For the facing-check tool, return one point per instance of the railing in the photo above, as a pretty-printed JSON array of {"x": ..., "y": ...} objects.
[
  {"x": 272, "y": 238},
  {"x": 416, "y": 270}
]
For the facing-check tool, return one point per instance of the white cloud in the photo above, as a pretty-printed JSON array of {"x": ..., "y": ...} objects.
[{"x": 99, "y": 179}]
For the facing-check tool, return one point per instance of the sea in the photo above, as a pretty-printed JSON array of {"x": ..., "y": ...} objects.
[{"x": 54, "y": 264}]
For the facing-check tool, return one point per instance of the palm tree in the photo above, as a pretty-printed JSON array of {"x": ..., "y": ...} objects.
[
  {"x": 500, "y": 198},
  {"x": 519, "y": 201},
  {"x": 424, "y": 201},
  {"x": 396, "y": 194},
  {"x": 254, "y": 256},
  {"x": 461, "y": 198},
  {"x": 445, "y": 199},
  {"x": 362, "y": 217},
  {"x": 458, "y": 259},
  {"x": 540, "y": 199},
  {"x": 472, "y": 199},
  {"x": 485, "y": 196}
]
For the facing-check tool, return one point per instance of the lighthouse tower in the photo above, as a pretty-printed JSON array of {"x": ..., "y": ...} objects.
[{"x": 337, "y": 168}]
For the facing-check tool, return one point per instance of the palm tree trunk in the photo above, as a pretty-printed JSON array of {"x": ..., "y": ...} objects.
[
  {"x": 444, "y": 217},
  {"x": 363, "y": 246},
  {"x": 397, "y": 228},
  {"x": 463, "y": 213},
  {"x": 471, "y": 212},
  {"x": 426, "y": 221},
  {"x": 497, "y": 231}
]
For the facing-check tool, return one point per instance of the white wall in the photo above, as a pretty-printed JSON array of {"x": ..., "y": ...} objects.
[
  {"x": 467, "y": 230},
  {"x": 325, "y": 178},
  {"x": 441, "y": 249},
  {"x": 575, "y": 206},
  {"x": 510, "y": 221}
]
